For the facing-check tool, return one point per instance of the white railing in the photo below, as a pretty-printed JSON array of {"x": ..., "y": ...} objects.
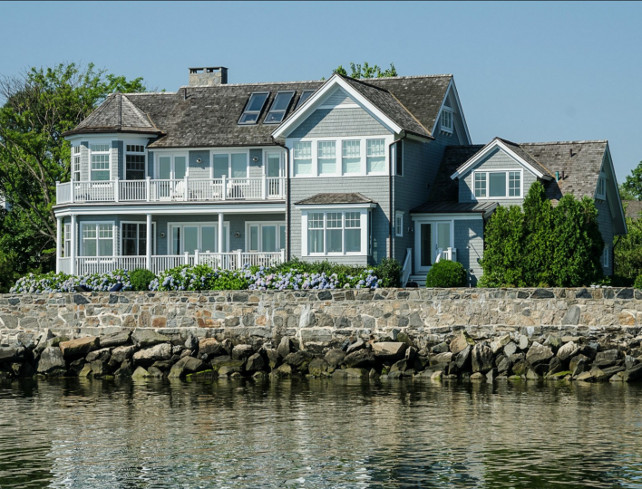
[
  {"x": 406, "y": 269},
  {"x": 104, "y": 264},
  {"x": 447, "y": 254},
  {"x": 174, "y": 190}
]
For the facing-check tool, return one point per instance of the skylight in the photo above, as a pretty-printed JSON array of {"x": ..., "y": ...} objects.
[
  {"x": 253, "y": 108},
  {"x": 304, "y": 96},
  {"x": 279, "y": 107}
]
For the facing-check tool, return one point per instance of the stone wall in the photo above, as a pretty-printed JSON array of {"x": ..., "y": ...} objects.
[{"x": 428, "y": 316}]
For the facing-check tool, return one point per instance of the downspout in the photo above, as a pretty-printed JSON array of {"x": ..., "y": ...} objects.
[
  {"x": 391, "y": 191},
  {"x": 287, "y": 199}
]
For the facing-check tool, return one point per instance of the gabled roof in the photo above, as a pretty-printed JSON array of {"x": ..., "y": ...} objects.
[
  {"x": 444, "y": 188},
  {"x": 116, "y": 114},
  {"x": 336, "y": 199}
]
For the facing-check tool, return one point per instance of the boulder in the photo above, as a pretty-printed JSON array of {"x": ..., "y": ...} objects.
[
  {"x": 9, "y": 353},
  {"x": 499, "y": 343},
  {"x": 272, "y": 357},
  {"x": 221, "y": 362},
  {"x": 554, "y": 342},
  {"x": 255, "y": 363},
  {"x": 555, "y": 365},
  {"x": 503, "y": 364},
  {"x": 99, "y": 368},
  {"x": 462, "y": 359},
  {"x": 51, "y": 360},
  {"x": 285, "y": 347},
  {"x": 115, "y": 339},
  {"x": 441, "y": 358},
  {"x": 211, "y": 347},
  {"x": 461, "y": 342},
  {"x": 241, "y": 352},
  {"x": 191, "y": 342},
  {"x": 633, "y": 374},
  {"x": 147, "y": 356},
  {"x": 298, "y": 360},
  {"x": 140, "y": 373},
  {"x": 79, "y": 347},
  {"x": 606, "y": 358},
  {"x": 578, "y": 364},
  {"x": 184, "y": 366},
  {"x": 121, "y": 353},
  {"x": 389, "y": 350},
  {"x": 481, "y": 358},
  {"x": 355, "y": 346},
  {"x": 335, "y": 357},
  {"x": 567, "y": 350},
  {"x": 125, "y": 369},
  {"x": 440, "y": 348},
  {"x": 538, "y": 353},
  {"x": 523, "y": 342},
  {"x": 360, "y": 359},
  {"x": 510, "y": 349},
  {"x": 103, "y": 355},
  {"x": 318, "y": 367},
  {"x": 282, "y": 371},
  {"x": 351, "y": 373},
  {"x": 148, "y": 337}
]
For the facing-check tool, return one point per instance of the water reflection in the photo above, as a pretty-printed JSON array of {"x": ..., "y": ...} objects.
[{"x": 315, "y": 434}]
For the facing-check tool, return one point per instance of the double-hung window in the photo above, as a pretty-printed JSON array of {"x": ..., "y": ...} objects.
[
  {"x": 75, "y": 163},
  {"x": 66, "y": 246},
  {"x": 375, "y": 156},
  {"x": 446, "y": 124},
  {"x": 497, "y": 184},
  {"x": 334, "y": 232},
  {"x": 327, "y": 157},
  {"x": 351, "y": 156},
  {"x": 302, "y": 156},
  {"x": 100, "y": 161},
  {"x": 601, "y": 186},
  {"x": 135, "y": 162},
  {"x": 97, "y": 239}
]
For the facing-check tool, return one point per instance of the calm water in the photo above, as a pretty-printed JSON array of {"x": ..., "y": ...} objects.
[{"x": 318, "y": 434}]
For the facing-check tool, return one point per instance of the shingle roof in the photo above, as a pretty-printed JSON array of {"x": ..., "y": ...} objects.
[
  {"x": 208, "y": 116},
  {"x": 336, "y": 198},
  {"x": 519, "y": 151},
  {"x": 444, "y": 188},
  {"x": 116, "y": 114},
  {"x": 484, "y": 208}
]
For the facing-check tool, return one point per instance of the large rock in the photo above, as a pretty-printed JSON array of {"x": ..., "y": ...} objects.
[
  {"x": 606, "y": 358},
  {"x": 121, "y": 353},
  {"x": 148, "y": 337},
  {"x": 147, "y": 356},
  {"x": 460, "y": 342},
  {"x": 51, "y": 360},
  {"x": 318, "y": 367},
  {"x": 567, "y": 350},
  {"x": 462, "y": 359},
  {"x": 140, "y": 373},
  {"x": 441, "y": 358},
  {"x": 298, "y": 360},
  {"x": 211, "y": 347},
  {"x": 360, "y": 359},
  {"x": 79, "y": 347},
  {"x": 351, "y": 373},
  {"x": 184, "y": 366},
  {"x": 241, "y": 352},
  {"x": 335, "y": 357},
  {"x": 538, "y": 353},
  {"x": 9, "y": 353},
  {"x": 255, "y": 363},
  {"x": 510, "y": 349},
  {"x": 115, "y": 339},
  {"x": 578, "y": 364},
  {"x": 103, "y": 355},
  {"x": 481, "y": 358},
  {"x": 633, "y": 374},
  {"x": 285, "y": 347},
  {"x": 500, "y": 343},
  {"x": 356, "y": 345}
]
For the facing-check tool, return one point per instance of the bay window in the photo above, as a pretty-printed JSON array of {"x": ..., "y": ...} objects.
[
  {"x": 333, "y": 232},
  {"x": 75, "y": 163},
  {"x": 99, "y": 162},
  {"x": 497, "y": 184}
]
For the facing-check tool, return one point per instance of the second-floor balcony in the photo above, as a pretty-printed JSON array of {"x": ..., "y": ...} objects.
[{"x": 183, "y": 190}]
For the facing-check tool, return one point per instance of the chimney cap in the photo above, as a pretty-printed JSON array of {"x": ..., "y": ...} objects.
[{"x": 207, "y": 69}]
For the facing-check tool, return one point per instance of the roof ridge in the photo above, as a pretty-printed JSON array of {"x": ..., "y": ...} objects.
[{"x": 581, "y": 141}]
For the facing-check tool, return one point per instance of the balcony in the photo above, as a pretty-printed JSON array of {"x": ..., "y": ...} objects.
[
  {"x": 159, "y": 263},
  {"x": 163, "y": 191}
]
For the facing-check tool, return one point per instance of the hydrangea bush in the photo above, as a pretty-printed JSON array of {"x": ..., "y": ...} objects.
[{"x": 62, "y": 282}]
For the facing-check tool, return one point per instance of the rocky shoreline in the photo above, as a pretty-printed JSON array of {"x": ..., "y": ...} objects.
[{"x": 146, "y": 353}]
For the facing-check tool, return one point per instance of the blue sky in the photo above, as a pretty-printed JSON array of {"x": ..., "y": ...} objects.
[{"x": 525, "y": 71}]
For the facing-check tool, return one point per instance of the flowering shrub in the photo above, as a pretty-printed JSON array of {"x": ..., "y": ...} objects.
[
  {"x": 295, "y": 279},
  {"x": 61, "y": 282}
]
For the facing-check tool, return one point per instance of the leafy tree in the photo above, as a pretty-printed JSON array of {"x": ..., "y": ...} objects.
[
  {"x": 628, "y": 251},
  {"x": 366, "y": 71},
  {"x": 538, "y": 248},
  {"x": 39, "y": 107},
  {"x": 632, "y": 185}
]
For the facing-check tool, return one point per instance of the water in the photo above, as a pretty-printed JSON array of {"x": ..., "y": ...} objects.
[{"x": 318, "y": 434}]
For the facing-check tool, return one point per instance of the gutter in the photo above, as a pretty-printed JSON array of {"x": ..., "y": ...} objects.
[{"x": 288, "y": 199}]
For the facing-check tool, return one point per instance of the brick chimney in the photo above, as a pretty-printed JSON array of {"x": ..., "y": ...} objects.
[{"x": 208, "y": 76}]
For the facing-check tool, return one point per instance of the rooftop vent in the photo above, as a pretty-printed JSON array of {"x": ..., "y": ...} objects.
[{"x": 207, "y": 77}]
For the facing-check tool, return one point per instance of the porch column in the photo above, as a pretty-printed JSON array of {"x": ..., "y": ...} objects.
[
  {"x": 74, "y": 244},
  {"x": 58, "y": 243},
  {"x": 221, "y": 244},
  {"x": 148, "y": 242}
]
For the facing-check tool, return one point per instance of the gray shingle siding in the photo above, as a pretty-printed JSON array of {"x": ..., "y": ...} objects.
[
  {"x": 469, "y": 243},
  {"x": 84, "y": 160},
  {"x": 116, "y": 159},
  {"x": 338, "y": 97},
  {"x": 202, "y": 169},
  {"x": 339, "y": 122},
  {"x": 256, "y": 167}
]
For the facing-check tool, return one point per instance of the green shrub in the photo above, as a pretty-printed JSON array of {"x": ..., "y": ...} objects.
[
  {"x": 447, "y": 273},
  {"x": 638, "y": 282},
  {"x": 141, "y": 278},
  {"x": 389, "y": 273}
]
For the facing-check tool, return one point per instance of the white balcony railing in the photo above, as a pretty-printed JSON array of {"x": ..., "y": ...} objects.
[
  {"x": 447, "y": 254},
  {"x": 229, "y": 261},
  {"x": 172, "y": 190}
]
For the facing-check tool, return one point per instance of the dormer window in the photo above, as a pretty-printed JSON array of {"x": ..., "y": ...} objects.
[
  {"x": 601, "y": 187},
  {"x": 279, "y": 107},
  {"x": 446, "y": 124},
  {"x": 306, "y": 94},
  {"x": 253, "y": 108}
]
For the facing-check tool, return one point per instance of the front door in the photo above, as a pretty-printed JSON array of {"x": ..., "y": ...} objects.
[
  {"x": 431, "y": 238},
  {"x": 274, "y": 171}
]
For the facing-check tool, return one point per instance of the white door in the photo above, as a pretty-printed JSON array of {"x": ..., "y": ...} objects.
[
  {"x": 431, "y": 238},
  {"x": 274, "y": 172}
]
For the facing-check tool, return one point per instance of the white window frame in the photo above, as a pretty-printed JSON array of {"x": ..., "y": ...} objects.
[
  {"x": 171, "y": 225},
  {"x": 66, "y": 240},
  {"x": 114, "y": 237},
  {"x": 138, "y": 223},
  {"x": 229, "y": 154},
  {"x": 399, "y": 224},
  {"x": 600, "y": 191},
  {"x": 260, "y": 224},
  {"x": 606, "y": 256},
  {"x": 93, "y": 152},
  {"x": 173, "y": 155},
  {"x": 507, "y": 172},
  {"x": 363, "y": 145},
  {"x": 142, "y": 153},
  {"x": 75, "y": 162},
  {"x": 325, "y": 210},
  {"x": 446, "y": 121}
]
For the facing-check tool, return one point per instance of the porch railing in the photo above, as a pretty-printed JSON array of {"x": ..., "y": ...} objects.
[
  {"x": 172, "y": 190},
  {"x": 406, "y": 268},
  {"x": 446, "y": 254}
]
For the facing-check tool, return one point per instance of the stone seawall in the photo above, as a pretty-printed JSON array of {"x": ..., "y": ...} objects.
[{"x": 575, "y": 334}]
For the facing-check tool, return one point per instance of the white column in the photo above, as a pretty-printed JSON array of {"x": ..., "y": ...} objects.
[
  {"x": 58, "y": 243},
  {"x": 221, "y": 223},
  {"x": 74, "y": 244},
  {"x": 148, "y": 250}
]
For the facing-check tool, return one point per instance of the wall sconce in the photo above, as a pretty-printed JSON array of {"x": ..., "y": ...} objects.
[
  {"x": 199, "y": 161},
  {"x": 162, "y": 235},
  {"x": 255, "y": 159},
  {"x": 237, "y": 234}
]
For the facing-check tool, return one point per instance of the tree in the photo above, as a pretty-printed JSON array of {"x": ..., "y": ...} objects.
[
  {"x": 632, "y": 185},
  {"x": 538, "y": 248},
  {"x": 366, "y": 71},
  {"x": 39, "y": 107}
]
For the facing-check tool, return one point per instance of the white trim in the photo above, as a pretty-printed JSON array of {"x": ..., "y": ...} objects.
[
  {"x": 363, "y": 227},
  {"x": 433, "y": 238},
  {"x": 314, "y": 102},
  {"x": 171, "y": 154},
  {"x": 477, "y": 216},
  {"x": 135, "y": 142},
  {"x": 173, "y": 209},
  {"x": 495, "y": 143},
  {"x": 498, "y": 170},
  {"x": 335, "y": 207},
  {"x": 460, "y": 111},
  {"x": 199, "y": 224},
  {"x": 443, "y": 127},
  {"x": 229, "y": 153},
  {"x": 399, "y": 226},
  {"x": 114, "y": 237},
  {"x": 91, "y": 152}
]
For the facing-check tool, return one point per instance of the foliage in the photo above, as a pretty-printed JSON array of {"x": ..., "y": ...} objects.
[
  {"x": 366, "y": 71},
  {"x": 446, "y": 273},
  {"x": 141, "y": 278},
  {"x": 184, "y": 277},
  {"x": 542, "y": 245},
  {"x": 61, "y": 282},
  {"x": 628, "y": 251},
  {"x": 632, "y": 185},
  {"x": 389, "y": 273},
  {"x": 638, "y": 282},
  {"x": 39, "y": 107}
]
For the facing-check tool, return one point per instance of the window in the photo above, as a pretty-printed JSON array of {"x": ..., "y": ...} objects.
[
  {"x": 376, "y": 156},
  {"x": 253, "y": 108},
  {"x": 134, "y": 238},
  {"x": 351, "y": 160},
  {"x": 232, "y": 165},
  {"x": 497, "y": 184},
  {"x": 75, "y": 163},
  {"x": 302, "y": 158},
  {"x": 279, "y": 107},
  {"x": 399, "y": 223},
  {"x": 606, "y": 256},
  {"x": 134, "y": 162},
  {"x": 66, "y": 240},
  {"x": 267, "y": 237},
  {"x": 97, "y": 239},
  {"x": 305, "y": 95},
  {"x": 100, "y": 161},
  {"x": 447, "y": 120},
  {"x": 334, "y": 232},
  {"x": 197, "y": 236},
  {"x": 326, "y": 157},
  {"x": 601, "y": 186}
]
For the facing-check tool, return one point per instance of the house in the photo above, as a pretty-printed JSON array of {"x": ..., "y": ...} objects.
[{"x": 344, "y": 170}]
